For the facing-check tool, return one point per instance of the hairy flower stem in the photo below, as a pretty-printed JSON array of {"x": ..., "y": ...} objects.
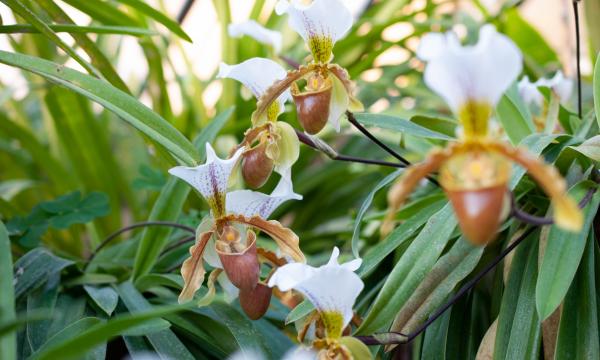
[{"x": 332, "y": 154}]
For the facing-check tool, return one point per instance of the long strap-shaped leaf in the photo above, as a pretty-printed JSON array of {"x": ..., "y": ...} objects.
[
  {"x": 29, "y": 16},
  {"x": 8, "y": 342},
  {"x": 113, "y": 99}
]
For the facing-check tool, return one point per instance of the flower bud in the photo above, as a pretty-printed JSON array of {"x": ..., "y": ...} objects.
[
  {"x": 479, "y": 212},
  {"x": 256, "y": 166},
  {"x": 240, "y": 261},
  {"x": 312, "y": 106},
  {"x": 255, "y": 302}
]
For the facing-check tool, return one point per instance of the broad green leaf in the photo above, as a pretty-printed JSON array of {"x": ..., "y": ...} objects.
[
  {"x": 78, "y": 29},
  {"x": 590, "y": 148},
  {"x": 113, "y": 99},
  {"x": 418, "y": 259},
  {"x": 402, "y": 233},
  {"x": 158, "y": 16},
  {"x": 365, "y": 206},
  {"x": 437, "y": 124},
  {"x": 535, "y": 143},
  {"x": 104, "y": 12},
  {"x": 518, "y": 334},
  {"x": 562, "y": 256},
  {"x": 73, "y": 347},
  {"x": 578, "y": 336},
  {"x": 169, "y": 203},
  {"x": 73, "y": 209},
  {"x": 514, "y": 116},
  {"x": 43, "y": 298},
  {"x": 73, "y": 330},
  {"x": 300, "y": 311},
  {"x": 34, "y": 268},
  {"x": 165, "y": 342},
  {"x": 529, "y": 40},
  {"x": 8, "y": 340},
  {"x": 105, "y": 297},
  {"x": 151, "y": 280},
  {"x": 592, "y": 11},
  {"x": 389, "y": 122}
]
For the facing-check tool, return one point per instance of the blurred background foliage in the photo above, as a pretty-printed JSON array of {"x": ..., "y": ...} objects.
[{"x": 72, "y": 172}]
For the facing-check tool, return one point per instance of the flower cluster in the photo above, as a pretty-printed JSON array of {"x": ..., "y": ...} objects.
[{"x": 474, "y": 170}]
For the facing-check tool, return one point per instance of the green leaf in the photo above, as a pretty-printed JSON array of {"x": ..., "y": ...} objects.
[
  {"x": 105, "y": 297},
  {"x": 70, "y": 331},
  {"x": 84, "y": 341},
  {"x": 34, "y": 268},
  {"x": 514, "y": 116},
  {"x": 562, "y": 256},
  {"x": 165, "y": 342},
  {"x": 103, "y": 11},
  {"x": 389, "y": 122},
  {"x": 169, "y": 203},
  {"x": 365, "y": 206},
  {"x": 72, "y": 209},
  {"x": 113, "y": 99},
  {"x": 532, "y": 44},
  {"x": 518, "y": 334},
  {"x": 158, "y": 16},
  {"x": 418, "y": 259},
  {"x": 578, "y": 336},
  {"x": 590, "y": 148},
  {"x": 8, "y": 340},
  {"x": 78, "y": 29}
]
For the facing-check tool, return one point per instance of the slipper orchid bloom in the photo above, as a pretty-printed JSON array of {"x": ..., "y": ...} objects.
[
  {"x": 272, "y": 145},
  {"x": 559, "y": 84},
  {"x": 236, "y": 248},
  {"x": 329, "y": 90},
  {"x": 332, "y": 289},
  {"x": 257, "y": 32},
  {"x": 474, "y": 171}
]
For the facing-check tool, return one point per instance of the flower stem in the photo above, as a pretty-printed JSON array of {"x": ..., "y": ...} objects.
[{"x": 578, "y": 55}]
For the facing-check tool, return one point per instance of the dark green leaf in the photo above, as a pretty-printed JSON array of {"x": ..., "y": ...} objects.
[
  {"x": 8, "y": 340},
  {"x": 106, "y": 298},
  {"x": 389, "y": 122},
  {"x": 34, "y": 268}
]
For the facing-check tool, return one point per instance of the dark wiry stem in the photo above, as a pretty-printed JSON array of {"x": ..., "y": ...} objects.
[
  {"x": 578, "y": 55},
  {"x": 332, "y": 154},
  {"x": 178, "y": 243},
  {"x": 136, "y": 226},
  {"x": 185, "y": 9},
  {"x": 524, "y": 217}
]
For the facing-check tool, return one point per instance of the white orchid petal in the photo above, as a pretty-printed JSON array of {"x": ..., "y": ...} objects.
[
  {"x": 331, "y": 288},
  {"x": 257, "y": 32},
  {"x": 250, "y": 203},
  {"x": 329, "y": 19},
  {"x": 529, "y": 92},
  {"x": 230, "y": 292},
  {"x": 211, "y": 178},
  {"x": 480, "y": 73},
  {"x": 210, "y": 255},
  {"x": 257, "y": 74},
  {"x": 431, "y": 46},
  {"x": 338, "y": 104}
]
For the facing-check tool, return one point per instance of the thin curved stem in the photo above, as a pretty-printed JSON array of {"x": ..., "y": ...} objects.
[
  {"x": 178, "y": 243},
  {"x": 184, "y": 11},
  {"x": 527, "y": 218},
  {"x": 332, "y": 154},
  {"x": 578, "y": 55},
  {"x": 116, "y": 234}
]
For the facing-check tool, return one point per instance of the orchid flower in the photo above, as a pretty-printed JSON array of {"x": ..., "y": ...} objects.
[
  {"x": 331, "y": 288},
  {"x": 257, "y": 32},
  {"x": 329, "y": 90},
  {"x": 231, "y": 213},
  {"x": 559, "y": 84},
  {"x": 272, "y": 145},
  {"x": 474, "y": 171}
]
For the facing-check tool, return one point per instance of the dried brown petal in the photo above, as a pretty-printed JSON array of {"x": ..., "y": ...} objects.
[{"x": 192, "y": 269}]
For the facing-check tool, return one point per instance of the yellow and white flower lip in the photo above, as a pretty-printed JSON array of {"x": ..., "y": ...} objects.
[
  {"x": 257, "y": 74},
  {"x": 320, "y": 23},
  {"x": 477, "y": 74},
  {"x": 210, "y": 178},
  {"x": 559, "y": 84},
  {"x": 331, "y": 288},
  {"x": 257, "y": 32}
]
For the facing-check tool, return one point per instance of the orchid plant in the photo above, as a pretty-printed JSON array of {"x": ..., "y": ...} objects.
[
  {"x": 475, "y": 170},
  {"x": 235, "y": 245}
]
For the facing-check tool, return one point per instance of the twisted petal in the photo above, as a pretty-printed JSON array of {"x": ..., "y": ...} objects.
[
  {"x": 211, "y": 178},
  {"x": 258, "y": 75},
  {"x": 250, "y": 203},
  {"x": 320, "y": 23},
  {"x": 332, "y": 288},
  {"x": 463, "y": 74},
  {"x": 192, "y": 269},
  {"x": 257, "y": 32}
]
